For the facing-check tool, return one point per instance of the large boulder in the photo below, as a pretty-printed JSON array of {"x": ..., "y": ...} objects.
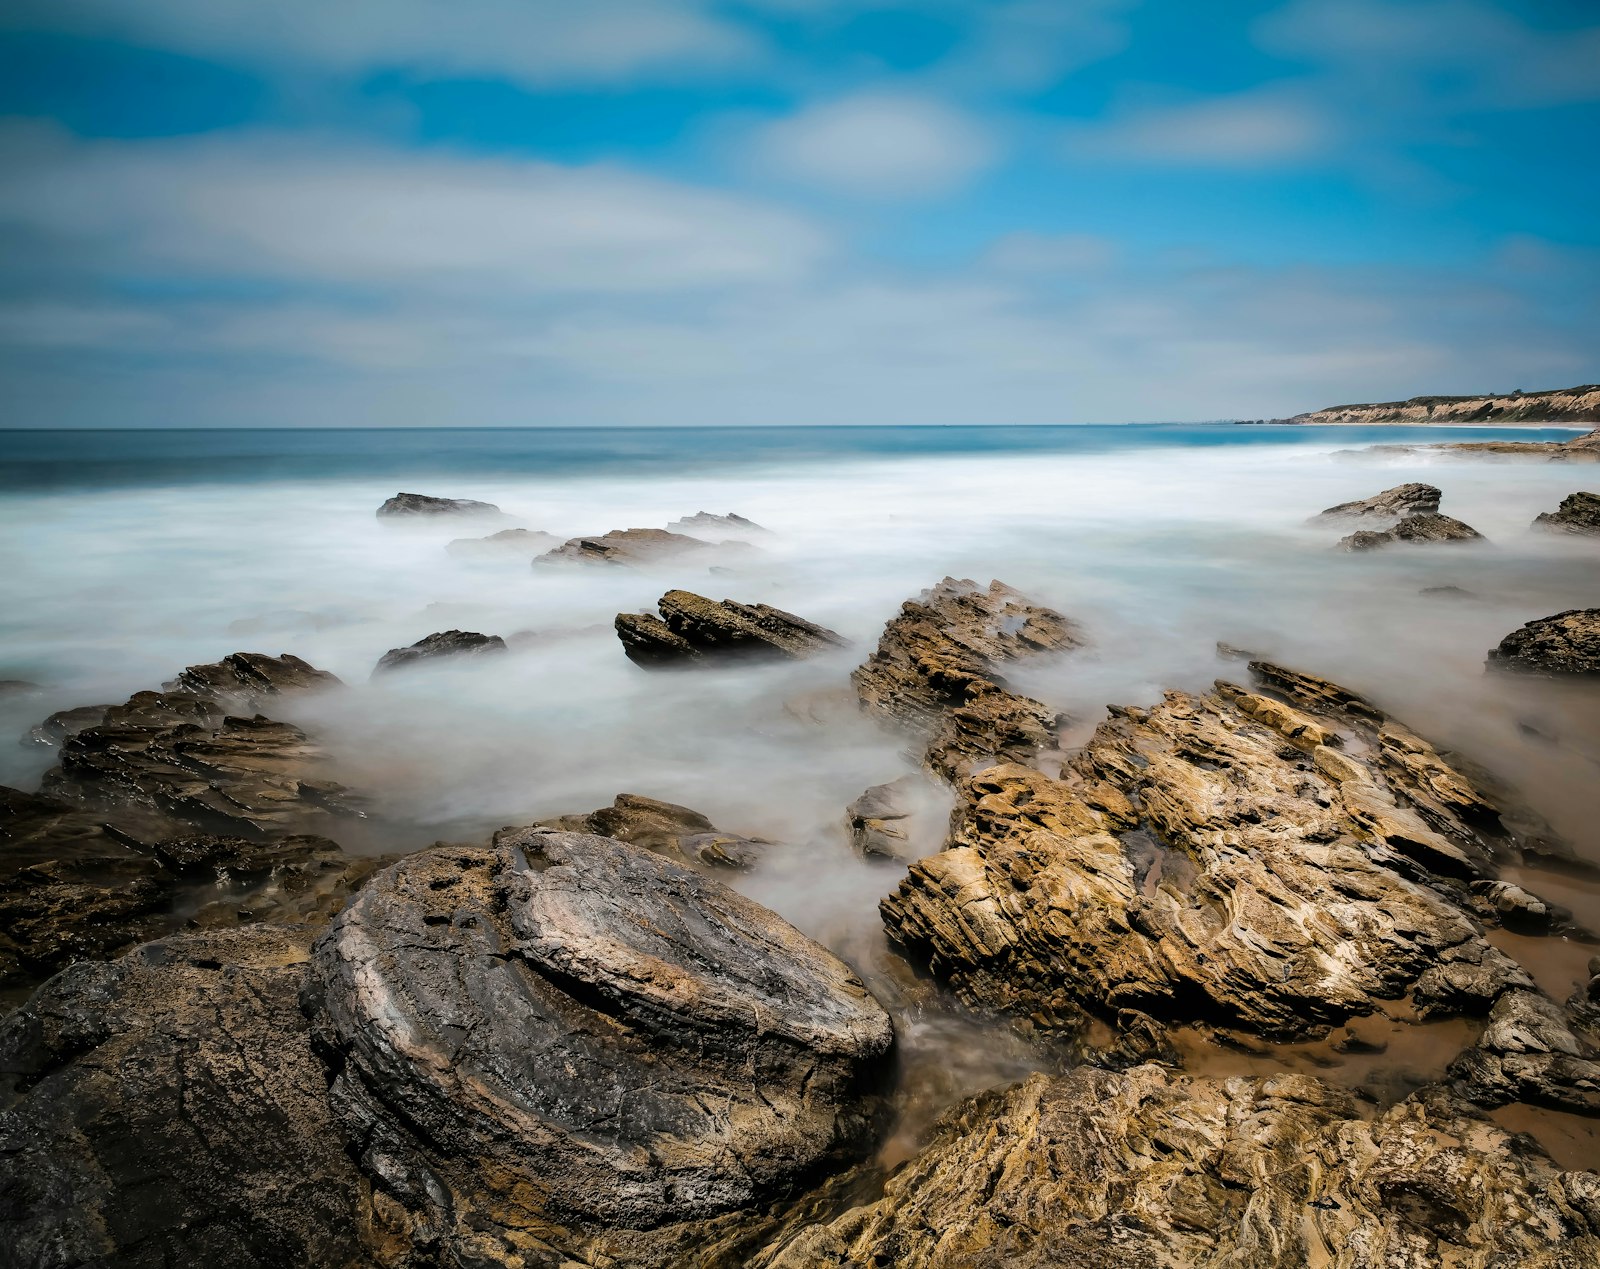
[
  {"x": 935, "y": 672},
  {"x": 1148, "y": 1168},
  {"x": 564, "y": 1031},
  {"x": 1578, "y": 513},
  {"x": 692, "y": 628},
  {"x": 521, "y": 544},
  {"x": 167, "y": 1109},
  {"x": 1422, "y": 528},
  {"x": 415, "y": 504},
  {"x": 1388, "y": 506},
  {"x": 249, "y": 678},
  {"x": 680, "y": 834},
  {"x": 439, "y": 645},
  {"x": 625, "y": 547},
  {"x": 1562, "y": 644}
]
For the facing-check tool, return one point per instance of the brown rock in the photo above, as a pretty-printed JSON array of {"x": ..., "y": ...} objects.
[
  {"x": 630, "y": 547},
  {"x": 1556, "y": 646},
  {"x": 674, "y": 831},
  {"x": 692, "y": 628},
  {"x": 1416, "y": 529},
  {"x": 1388, "y": 506},
  {"x": 1578, "y": 513}
]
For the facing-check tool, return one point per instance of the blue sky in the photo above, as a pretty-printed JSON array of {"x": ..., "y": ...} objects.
[{"x": 634, "y": 212}]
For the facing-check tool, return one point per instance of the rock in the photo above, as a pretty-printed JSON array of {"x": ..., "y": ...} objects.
[
  {"x": 682, "y": 835},
  {"x": 443, "y": 643},
  {"x": 249, "y": 678},
  {"x": 628, "y": 547},
  {"x": 1529, "y": 1052},
  {"x": 1578, "y": 513},
  {"x": 692, "y": 628},
  {"x": 166, "y": 1109},
  {"x": 702, "y": 523},
  {"x": 1414, "y": 528},
  {"x": 1228, "y": 652},
  {"x": 898, "y": 821},
  {"x": 413, "y": 504},
  {"x": 1565, "y": 643},
  {"x": 1315, "y": 693},
  {"x": 563, "y": 1032},
  {"x": 508, "y": 543},
  {"x": 1151, "y": 1168},
  {"x": 18, "y": 687},
  {"x": 934, "y": 672},
  {"x": 1390, "y": 505},
  {"x": 65, "y": 723},
  {"x": 1447, "y": 592}
]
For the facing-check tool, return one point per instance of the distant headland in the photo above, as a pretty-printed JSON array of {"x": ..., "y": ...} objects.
[{"x": 1553, "y": 405}]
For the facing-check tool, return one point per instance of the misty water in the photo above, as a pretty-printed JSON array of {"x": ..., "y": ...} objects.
[{"x": 130, "y": 556}]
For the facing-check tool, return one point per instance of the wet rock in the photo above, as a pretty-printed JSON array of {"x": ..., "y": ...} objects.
[
  {"x": 247, "y": 679},
  {"x": 1578, "y": 513},
  {"x": 626, "y": 547},
  {"x": 65, "y": 723},
  {"x": 415, "y": 504},
  {"x": 1566, "y": 643},
  {"x": 1415, "y": 529},
  {"x": 563, "y": 1032},
  {"x": 1150, "y": 1168},
  {"x": 1313, "y": 692},
  {"x": 508, "y": 543},
  {"x": 1529, "y": 1051},
  {"x": 682, "y": 835},
  {"x": 443, "y": 643},
  {"x": 899, "y": 820},
  {"x": 935, "y": 672},
  {"x": 693, "y": 628},
  {"x": 166, "y": 1109},
  {"x": 704, "y": 523},
  {"x": 1390, "y": 505}
]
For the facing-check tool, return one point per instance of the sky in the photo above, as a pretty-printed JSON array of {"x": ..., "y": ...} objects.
[{"x": 272, "y": 213}]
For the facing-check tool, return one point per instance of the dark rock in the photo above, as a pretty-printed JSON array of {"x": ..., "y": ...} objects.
[
  {"x": 702, "y": 523},
  {"x": 1578, "y": 513},
  {"x": 1390, "y": 505},
  {"x": 627, "y": 547},
  {"x": 521, "y": 544},
  {"x": 166, "y": 1109},
  {"x": 1447, "y": 592},
  {"x": 694, "y": 628},
  {"x": 19, "y": 687},
  {"x": 413, "y": 504},
  {"x": 899, "y": 820},
  {"x": 1415, "y": 529},
  {"x": 444, "y": 643},
  {"x": 65, "y": 723},
  {"x": 935, "y": 673},
  {"x": 682, "y": 835},
  {"x": 565, "y": 1031},
  {"x": 249, "y": 678},
  {"x": 1566, "y": 643},
  {"x": 1228, "y": 652},
  {"x": 1529, "y": 1052}
]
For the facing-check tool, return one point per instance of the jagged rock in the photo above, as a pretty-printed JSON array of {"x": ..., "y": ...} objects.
[
  {"x": 563, "y": 1030},
  {"x": 692, "y": 628},
  {"x": 414, "y": 504},
  {"x": 1414, "y": 528},
  {"x": 935, "y": 673},
  {"x": 898, "y": 820},
  {"x": 65, "y": 723},
  {"x": 1566, "y": 643},
  {"x": 248, "y": 678},
  {"x": 166, "y": 1109},
  {"x": 1529, "y": 1052},
  {"x": 1578, "y": 513},
  {"x": 1390, "y": 505},
  {"x": 730, "y": 525},
  {"x": 1148, "y": 1168},
  {"x": 625, "y": 547},
  {"x": 668, "y": 829},
  {"x": 513, "y": 543},
  {"x": 1314, "y": 692},
  {"x": 443, "y": 643}
]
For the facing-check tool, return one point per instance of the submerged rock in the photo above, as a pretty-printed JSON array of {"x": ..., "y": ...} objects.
[
  {"x": 900, "y": 820},
  {"x": 1149, "y": 1168},
  {"x": 935, "y": 672},
  {"x": 628, "y": 547},
  {"x": 667, "y": 829},
  {"x": 1390, "y": 505},
  {"x": 443, "y": 643},
  {"x": 693, "y": 628},
  {"x": 166, "y": 1109},
  {"x": 565, "y": 1031},
  {"x": 1562, "y": 644},
  {"x": 730, "y": 525},
  {"x": 508, "y": 543},
  {"x": 1414, "y": 528},
  {"x": 415, "y": 504},
  {"x": 1578, "y": 513}
]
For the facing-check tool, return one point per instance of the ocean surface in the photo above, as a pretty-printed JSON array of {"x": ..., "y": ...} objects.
[{"x": 129, "y": 554}]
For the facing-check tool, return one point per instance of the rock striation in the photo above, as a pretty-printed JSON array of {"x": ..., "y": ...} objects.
[
  {"x": 667, "y": 829},
  {"x": 1150, "y": 1168},
  {"x": 1557, "y": 405},
  {"x": 1390, "y": 505},
  {"x": 441, "y": 644},
  {"x": 935, "y": 673},
  {"x": 508, "y": 543},
  {"x": 1578, "y": 513},
  {"x": 692, "y": 628},
  {"x": 249, "y": 678},
  {"x": 625, "y": 547},
  {"x": 1564, "y": 644},
  {"x": 415, "y": 504},
  {"x": 1430, "y": 527},
  {"x": 562, "y": 1031}
]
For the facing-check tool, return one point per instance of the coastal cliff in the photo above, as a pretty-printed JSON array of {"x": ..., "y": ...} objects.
[{"x": 1556, "y": 405}]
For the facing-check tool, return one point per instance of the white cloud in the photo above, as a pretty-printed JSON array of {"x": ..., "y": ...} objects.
[
  {"x": 1034, "y": 253},
  {"x": 876, "y": 146},
  {"x": 1261, "y": 128}
]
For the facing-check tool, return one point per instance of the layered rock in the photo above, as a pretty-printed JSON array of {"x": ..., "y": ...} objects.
[
  {"x": 249, "y": 678},
  {"x": 1578, "y": 513},
  {"x": 899, "y": 820},
  {"x": 682, "y": 835},
  {"x": 1556, "y": 405},
  {"x": 1563, "y": 644},
  {"x": 1148, "y": 1168},
  {"x": 415, "y": 504},
  {"x": 935, "y": 673},
  {"x": 692, "y": 628},
  {"x": 1430, "y": 527},
  {"x": 563, "y": 1032},
  {"x": 1580, "y": 449},
  {"x": 703, "y": 523},
  {"x": 439, "y": 645},
  {"x": 508, "y": 543},
  {"x": 65, "y": 723},
  {"x": 626, "y": 547},
  {"x": 166, "y": 1109},
  {"x": 1388, "y": 506}
]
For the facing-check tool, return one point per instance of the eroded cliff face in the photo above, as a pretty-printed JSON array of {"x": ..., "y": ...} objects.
[{"x": 1560, "y": 405}]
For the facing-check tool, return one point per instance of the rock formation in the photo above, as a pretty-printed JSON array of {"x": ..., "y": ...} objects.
[
  {"x": 1578, "y": 513},
  {"x": 249, "y": 678},
  {"x": 935, "y": 673},
  {"x": 692, "y": 628},
  {"x": 443, "y": 643},
  {"x": 1580, "y": 449},
  {"x": 682, "y": 835},
  {"x": 1557, "y": 405},
  {"x": 1562, "y": 644},
  {"x": 508, "y": 543},
  {"x": 629, "y": 547},
  {"x": 1430, "y": 527},
  {"x": 1149, "y": 1168},
  {"x": 702, "y": 523},
  {"x": 1389, "y": 506},
  {"x": 414, "y": 504},
  {"x": 900, "y": 820}
]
